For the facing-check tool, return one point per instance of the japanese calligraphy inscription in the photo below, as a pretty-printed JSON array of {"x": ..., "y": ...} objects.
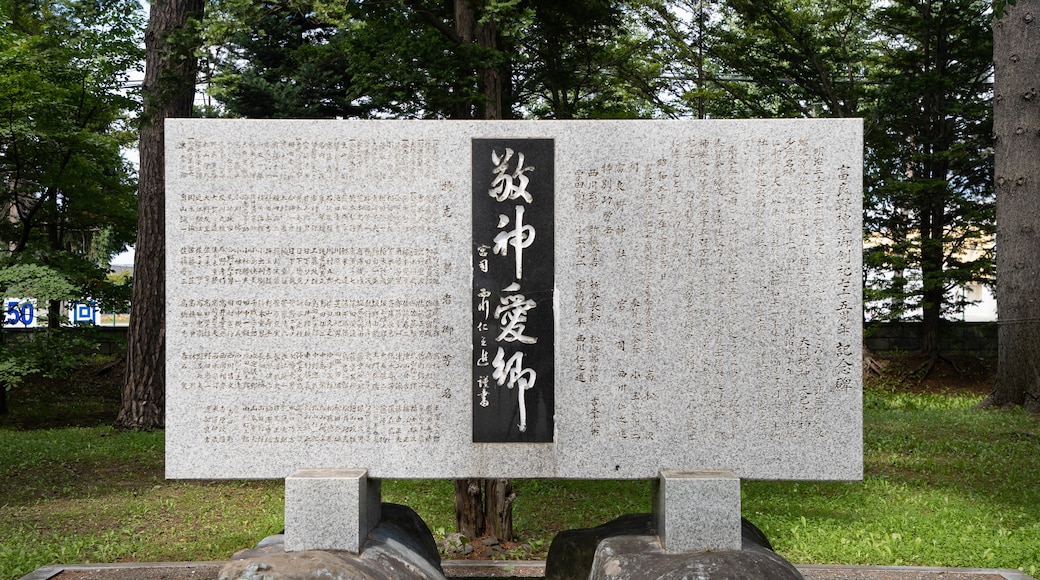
[
  {"x": 571, "y": 299},
  {"x": 513, "y": 314}
]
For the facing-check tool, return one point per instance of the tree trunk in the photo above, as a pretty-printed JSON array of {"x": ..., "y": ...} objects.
[
  {"x": 54, "y": 239},
  {"x": 931, "y": 318},
  {"x": 465, "y": 28},
  {"x": 1016, "y": 57},
  {"x": 486, "y": 36},
  {"x": 169, "y": 91},
  {"x": 54, "y": 314},
  {"x": 469, "y": 508},
  {"x": 483, "y": 506},
  {"x": 932, "y": 294},
  {"x": 469, "y": 29},
  {"x": 498, "y": 508}
]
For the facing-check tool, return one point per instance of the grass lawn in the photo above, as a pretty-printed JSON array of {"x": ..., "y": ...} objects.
[{"x": 945, "y": 485}]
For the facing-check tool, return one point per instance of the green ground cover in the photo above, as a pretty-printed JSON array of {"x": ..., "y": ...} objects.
[{"x": 945, "y": 485}]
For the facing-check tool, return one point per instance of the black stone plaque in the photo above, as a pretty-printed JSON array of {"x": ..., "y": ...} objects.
[{"x": 513, "y": 189}]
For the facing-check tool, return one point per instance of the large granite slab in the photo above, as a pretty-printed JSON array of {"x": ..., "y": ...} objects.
[{"x": 706, "y": 307}]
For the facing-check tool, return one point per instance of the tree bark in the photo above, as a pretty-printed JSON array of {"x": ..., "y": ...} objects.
[
  {"x": 486, "y": 36},
  {"x": 169, "y": 91},
  {"x": 931, "y": 304},
  {"x": 469, "y": 508},
  {"x": 498, "y": 507},
  {"x": 1016, "y": 124},
  {"x": 933, "y": 293},
  {"x": 482, "y": 505},
  {"x": 470, "y": 30}
]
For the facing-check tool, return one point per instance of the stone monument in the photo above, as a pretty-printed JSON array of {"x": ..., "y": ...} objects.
[{"x": 672, "y": 300}]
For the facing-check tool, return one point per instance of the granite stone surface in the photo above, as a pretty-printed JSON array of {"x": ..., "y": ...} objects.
[
  {"x": 706, "y": 301},
  {"x": 330, "y": 509},
  {"x": 697, "y": 510}
]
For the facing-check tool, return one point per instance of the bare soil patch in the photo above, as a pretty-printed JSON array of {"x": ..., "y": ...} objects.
[{"x": 952, "y": 374}]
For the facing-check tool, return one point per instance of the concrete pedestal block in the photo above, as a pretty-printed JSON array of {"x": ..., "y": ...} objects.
[
  {"x": 330, "y": 509},
  {"x": 697, "y": 510}
]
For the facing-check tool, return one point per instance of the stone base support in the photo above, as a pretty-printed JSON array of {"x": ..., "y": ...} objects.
[
  {"x": 697, "y": 510},
  {"x": 330, "y": 509}
]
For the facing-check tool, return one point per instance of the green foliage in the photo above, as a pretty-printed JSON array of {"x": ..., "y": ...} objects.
[
  {"x": 33, "y": 280},
  {"x": 313, "y": 59},
  {"x": 13, "y": 369},
  {"x": 64, "y": 118},
  {"x": 114, "y": 295},
  {"x": 929, "y": 210},
  {"x": 69, "y": 196},
  {"x": 587, "y": 59},
  {"x": 357, "y": 59},
  {"x": 287, "y": 63},
  {"x": 405, "y": 67},
  {"x": 47, "y": 352},
  {"x": 775, "y": 58}
]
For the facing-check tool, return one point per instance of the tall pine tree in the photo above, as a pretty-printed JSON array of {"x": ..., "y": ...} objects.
[
  {"x": 169, "y": 91},
  {"x": 1016, "y": 55},
  {"x": 929, "y": 198}
]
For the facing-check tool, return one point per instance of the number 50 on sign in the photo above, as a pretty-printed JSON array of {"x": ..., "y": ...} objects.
[{"x": 19, "y": 313}]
